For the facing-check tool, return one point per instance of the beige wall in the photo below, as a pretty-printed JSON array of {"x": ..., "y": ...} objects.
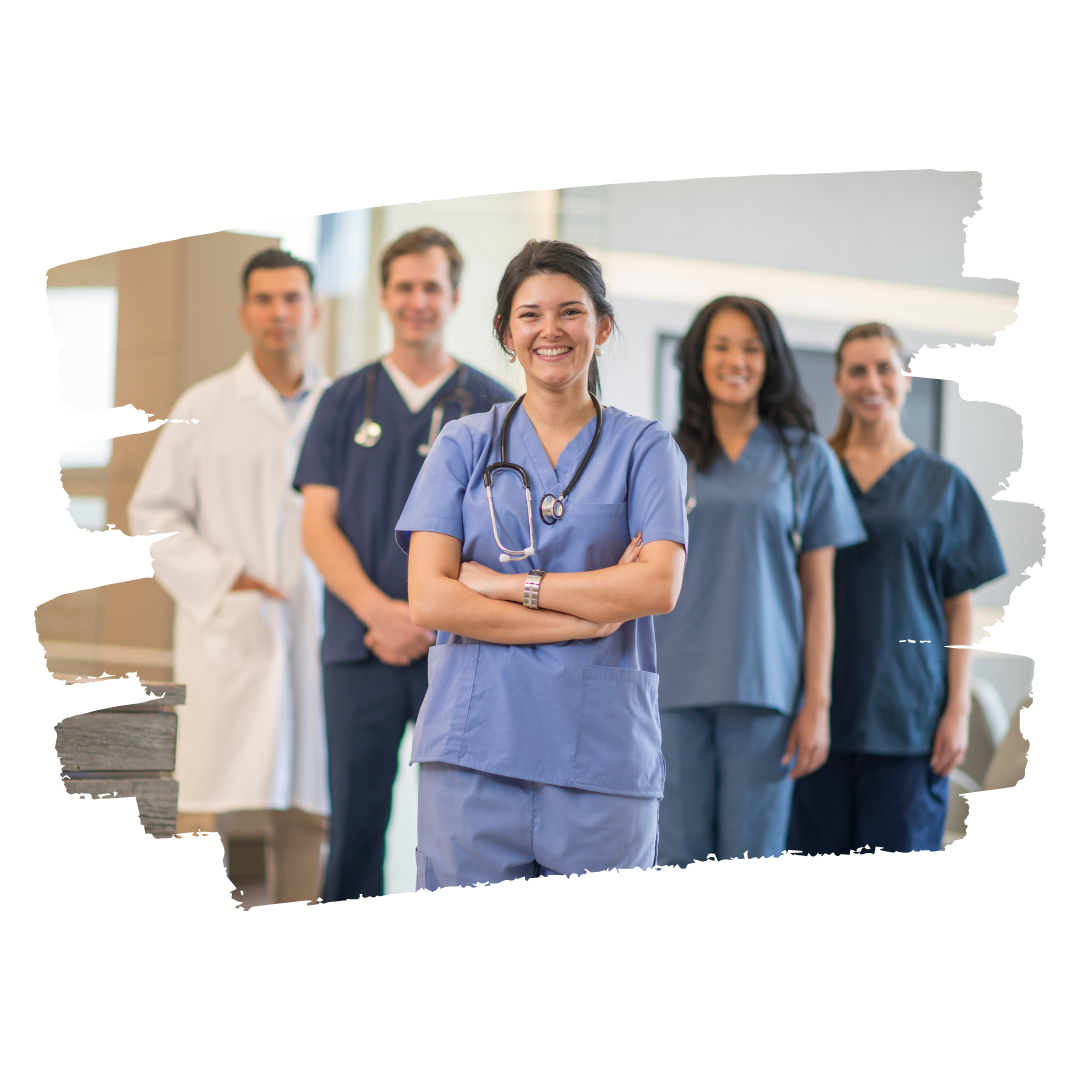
[{"x": 176, "y": 324}]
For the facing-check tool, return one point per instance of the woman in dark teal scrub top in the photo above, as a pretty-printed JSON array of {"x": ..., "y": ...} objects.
[{"x": 901, "y": 700}]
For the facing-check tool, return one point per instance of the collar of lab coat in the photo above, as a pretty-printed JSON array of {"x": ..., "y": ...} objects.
[{"x": 251, "y": 383}]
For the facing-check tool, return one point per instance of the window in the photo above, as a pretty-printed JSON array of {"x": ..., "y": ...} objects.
[
  {"x": 85, "y": 321},
  {"x": 83, "y": 543}
]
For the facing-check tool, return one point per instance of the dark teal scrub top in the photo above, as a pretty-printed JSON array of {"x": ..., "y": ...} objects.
[{"x": 929, "y": 538}]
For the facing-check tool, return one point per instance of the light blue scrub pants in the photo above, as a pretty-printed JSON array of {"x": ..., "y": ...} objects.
[
  {"x": 726, "y": 792},
  {"x": 475, "y": 827}
]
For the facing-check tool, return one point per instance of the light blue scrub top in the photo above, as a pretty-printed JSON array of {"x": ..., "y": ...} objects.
[
  {"x": 580, "y": 714},
  {"x": 736, "y": 634}
]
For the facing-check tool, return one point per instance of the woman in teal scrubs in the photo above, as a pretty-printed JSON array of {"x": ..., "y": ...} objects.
[
  {"x": 542, "y": 537},
  {"x": 745, "y": 658},
  {"x": 901, "y": 699}
]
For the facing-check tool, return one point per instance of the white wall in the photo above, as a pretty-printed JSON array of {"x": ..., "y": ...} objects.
[{"x": 488, "y": 230}]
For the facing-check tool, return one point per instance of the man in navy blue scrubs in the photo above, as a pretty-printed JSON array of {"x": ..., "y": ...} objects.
[{"x": 363, "y": 451}]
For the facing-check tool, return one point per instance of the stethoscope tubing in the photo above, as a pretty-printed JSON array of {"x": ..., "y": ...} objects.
[
  {"x": 370, "y": 431},
  {"x": 552, "y": 507}
]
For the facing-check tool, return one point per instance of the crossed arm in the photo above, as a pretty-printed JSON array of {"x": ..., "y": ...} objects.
[{"x": 477, "y": 602}]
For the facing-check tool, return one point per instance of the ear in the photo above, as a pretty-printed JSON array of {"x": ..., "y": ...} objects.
[
  {"x": 242, "y": 313},
  {"x": 382, "y": 298},
  {"x": 316, "y": 315},
  {"x": 455, "y": 296},
  {"x": 604, "y": 330}
]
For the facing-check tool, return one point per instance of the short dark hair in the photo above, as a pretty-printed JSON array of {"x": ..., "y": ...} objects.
[
  {"x": 782, "y": 402},
  {"x": 553, "y": 257},
  {"x": 416, "y": 243},
  {"x": 276, "y": 259}
]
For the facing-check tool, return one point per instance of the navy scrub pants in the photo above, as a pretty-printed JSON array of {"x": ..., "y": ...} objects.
[
  {"x": 896, "y": 803},
  {"x": 367, "y": 707},
  {"x": 726, "y": 793}
]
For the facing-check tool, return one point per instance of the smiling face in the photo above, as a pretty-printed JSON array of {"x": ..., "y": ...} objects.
[
  {"x": 278, "y": 311},
  {"x": 733, "y": 359},
  {"x": 554, "y": 330},
  {"x": 418, "y": 296},
  {"x": 871, "y": 380}
]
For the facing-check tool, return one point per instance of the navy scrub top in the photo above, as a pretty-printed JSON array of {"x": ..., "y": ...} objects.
[
  {"x": 929, "y": 539},
  {"x": 736, "y": 635},
  {"x": 374, "y": 482}
]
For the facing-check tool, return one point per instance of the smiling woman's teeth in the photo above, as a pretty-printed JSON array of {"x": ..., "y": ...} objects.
[{"x": 552, "y": 352}]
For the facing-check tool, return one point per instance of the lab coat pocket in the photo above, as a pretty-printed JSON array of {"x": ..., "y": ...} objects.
[
  {"x": 619, "y": 741},
  {"x": 240, "y": 634}
]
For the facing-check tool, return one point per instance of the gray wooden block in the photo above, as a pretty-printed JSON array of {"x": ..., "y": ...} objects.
[
  {"x": 91, "y": 697},
  {"x": 117, "y": 742},
  {"x": 156, "y": 799}
]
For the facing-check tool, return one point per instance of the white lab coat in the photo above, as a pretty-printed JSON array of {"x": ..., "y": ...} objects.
[{"x": 251, "y": 735}]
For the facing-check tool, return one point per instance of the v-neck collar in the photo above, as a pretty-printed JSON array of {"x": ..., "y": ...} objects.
[
  {"x": 745, "y": 450},
  {"x": 552, "y": 478},
  {"x": 890, "y": 471}
]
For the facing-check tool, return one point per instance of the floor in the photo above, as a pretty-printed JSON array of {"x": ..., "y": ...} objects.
[{"x": 400, "y": 867}]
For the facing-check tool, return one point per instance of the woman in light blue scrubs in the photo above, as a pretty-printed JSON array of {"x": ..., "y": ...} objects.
[
  {"x": 542, "y": 536},
  {"x": 745, "y": 658}
]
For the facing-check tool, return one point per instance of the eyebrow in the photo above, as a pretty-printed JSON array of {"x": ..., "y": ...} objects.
[{"x": 562, "y": 303}]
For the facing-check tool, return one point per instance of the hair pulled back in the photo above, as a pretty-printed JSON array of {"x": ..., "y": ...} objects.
[
  {"x": 782, "y": 402},
  {"x": 862, "y": 332},
  {"x": 552, "y": 257}
]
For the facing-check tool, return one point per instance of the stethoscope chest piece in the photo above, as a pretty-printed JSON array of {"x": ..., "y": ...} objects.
[
  {"x": 368, "y": 433},
  {"x": 551, "y": 509}
]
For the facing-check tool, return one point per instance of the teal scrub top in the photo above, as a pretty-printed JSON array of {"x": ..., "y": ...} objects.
[
  {"x": 736, "y": 634},
  {"x": 580, "y": 714},
  {"x": 929, "y": 539}
]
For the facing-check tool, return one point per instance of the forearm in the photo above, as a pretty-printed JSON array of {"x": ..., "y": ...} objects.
[
  {"x": 818, "y": 648},
  {"x": 445, "y": 604},
  {"x": 959, "y": 619},
  {"x": 336, "y": 560},
  {"x": 614, "y": 594}
]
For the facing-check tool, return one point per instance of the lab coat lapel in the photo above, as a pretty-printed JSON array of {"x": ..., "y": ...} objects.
[{"x": 252, "y": 386}]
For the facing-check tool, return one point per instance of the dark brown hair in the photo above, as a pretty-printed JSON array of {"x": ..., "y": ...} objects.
[
  {"x": 416, "y": 243},
  {"x": 782, "y": 402},
  {"x": 553, "y": 257},
  {"x": 276, "y": 259},
  {"x": 862, "y": 332}
]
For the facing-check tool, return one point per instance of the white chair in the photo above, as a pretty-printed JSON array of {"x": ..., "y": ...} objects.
[
  {"x": 963, "y": 793},
  {"x": 989, "y": 726}
]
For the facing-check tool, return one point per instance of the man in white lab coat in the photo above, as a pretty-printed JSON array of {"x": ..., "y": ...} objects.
[{"x": 248, "y": 600}]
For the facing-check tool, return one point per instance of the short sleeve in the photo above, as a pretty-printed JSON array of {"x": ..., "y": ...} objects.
[
  {"x": 320, "y": 462},
  {"x": 656, "y": 491},
  {"x": 972, "y": 555},
  {"x": 831, "y": 516},
  {"x": 436, "y": 498}
]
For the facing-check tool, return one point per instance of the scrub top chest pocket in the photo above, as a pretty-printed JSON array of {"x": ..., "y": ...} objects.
[{"x": 582, "y": 713}]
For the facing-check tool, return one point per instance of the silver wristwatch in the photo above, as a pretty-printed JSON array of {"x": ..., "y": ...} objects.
[{"x": 531, "y": 599}]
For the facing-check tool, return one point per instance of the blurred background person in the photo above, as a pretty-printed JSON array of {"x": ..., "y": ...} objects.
[
  {"x": 369, "y": 437},
  {"x": 250, "y": 737},
  {"x": 901, "y": 701},
  {"x": 745, "y": 658}
]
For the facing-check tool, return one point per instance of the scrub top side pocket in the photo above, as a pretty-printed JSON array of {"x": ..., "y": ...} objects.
[
  {"x": 619, "y": 740},
  {"x": 451, "y": 675}
]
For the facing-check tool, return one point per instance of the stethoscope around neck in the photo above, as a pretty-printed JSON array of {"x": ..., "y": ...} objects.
[
  {"x": 552, "y": 507},
  {"x": 793, "y": 534},
  {"x": 370, "y": 430}
]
